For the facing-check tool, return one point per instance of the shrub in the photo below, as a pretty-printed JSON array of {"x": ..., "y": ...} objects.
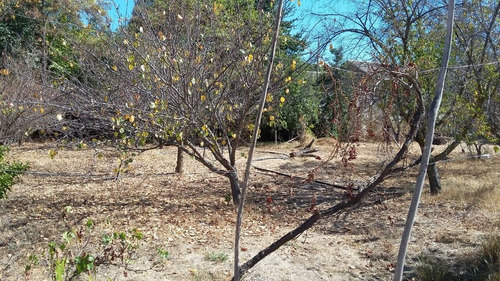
[
  {"x": 81, "y": 251},
  {"x": 9, "y": 172}
]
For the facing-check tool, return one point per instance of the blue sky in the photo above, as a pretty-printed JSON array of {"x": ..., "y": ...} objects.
[
  {"x": 120, "y": 12},
  {"x": 309, "y": 21},
  {"x": 304, "y": 14}
]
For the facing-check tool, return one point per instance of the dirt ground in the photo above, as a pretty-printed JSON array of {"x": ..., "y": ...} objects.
[{"x": 189, "y": 215}]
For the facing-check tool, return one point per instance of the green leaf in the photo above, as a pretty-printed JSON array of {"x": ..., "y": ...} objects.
[
  {"x": 163, "y": 253},
  {"x": 122, "y": 236},
  {"x": 90, "y": 224},
  {"x": 68, "y": 236},
  {"x": 137, "y": 234},
  {"x": 106, "y": 239},
  {"x": 59, "y": 270}
]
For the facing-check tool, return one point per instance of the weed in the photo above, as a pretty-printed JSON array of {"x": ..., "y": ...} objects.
[
  {"x": 197, "y": 276},
  {"x": 163, "y": 254},
  {"x": 202, "y": 276},
  {"x": 488, "y": 261},
  {"x": 33, "y": 260},
  {"x": 81, "y": 251},
  {"x": 482, "y": 266},
  {"x": 216, "y": 257},
  {"x": 432, "y": 269}
]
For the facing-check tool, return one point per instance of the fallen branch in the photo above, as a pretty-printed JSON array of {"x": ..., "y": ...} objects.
[
  {"x": 273, "y": 152},
  {"x": 303, "y": 179},
  {"x": 271, "y": 158},
  {"x": 304, "y": 152}
]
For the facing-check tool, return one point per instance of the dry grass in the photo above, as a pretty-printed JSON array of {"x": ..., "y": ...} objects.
[
  {"x": 474, "y": 182},
  {"x": 188, "y": 216}
]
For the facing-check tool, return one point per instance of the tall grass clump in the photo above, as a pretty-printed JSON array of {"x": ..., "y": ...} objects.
[{"x": 484, "y": 265}]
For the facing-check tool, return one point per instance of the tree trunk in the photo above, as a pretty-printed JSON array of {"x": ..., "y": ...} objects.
[
  {"x": 432, "y": 171},
  {"x": 434, "y": 182},
  {"x": 179, "y": 168},
  {"x": 235, "y": 186}
]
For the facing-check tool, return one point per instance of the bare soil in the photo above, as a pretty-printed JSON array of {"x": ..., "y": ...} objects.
[{"x": 190, "y": 217}]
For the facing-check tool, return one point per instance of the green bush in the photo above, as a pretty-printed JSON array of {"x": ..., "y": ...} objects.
[{"x": 9, "y": 172}]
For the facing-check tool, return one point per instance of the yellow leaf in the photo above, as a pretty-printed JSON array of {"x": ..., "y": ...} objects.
[
  {"x": 4, "y": 72},
  {"x": 130, "y": 66},
  {"x": 269, "y": 98},
  {"x": 131, "y": 118},
  {"x": 42, "y": 110},
  {"x": 282, "y": 99},
  {"x": 203, "y": 98},
  {"x": 271, "y": 118},
  {"x": 250, "y": 58},
  {"x": 298, "y": 3},
  {"x": 288, "y": 79},
  {"x": 114, "y": 67},
  {"x": 294, "y": 64},
  {"x": 52, "y": 153}
]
